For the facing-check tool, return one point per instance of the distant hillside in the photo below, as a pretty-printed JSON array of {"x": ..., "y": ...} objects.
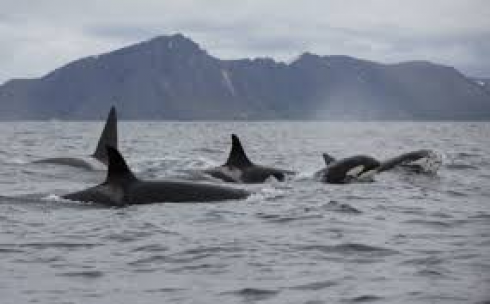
[
  {"x": 171, "y": 77},
  {"x": 483, "y": 82}
]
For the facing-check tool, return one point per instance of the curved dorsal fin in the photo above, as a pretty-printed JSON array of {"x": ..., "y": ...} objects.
[
  {"x": 237, "y": 157},
  {"x": 328, "y": 158},
  {"x": 107, "y": 138},
  {"x": 117, "y": 171}
]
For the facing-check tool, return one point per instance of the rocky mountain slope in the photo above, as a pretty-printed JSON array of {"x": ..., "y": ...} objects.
[{"x": 171, "y": 77}]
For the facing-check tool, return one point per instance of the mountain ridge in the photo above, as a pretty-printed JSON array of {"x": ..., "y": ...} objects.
[{"x": 173, "y": 78}]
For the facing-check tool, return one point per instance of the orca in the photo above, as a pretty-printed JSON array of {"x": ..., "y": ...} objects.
[
  {"x": 107, "y": 138},
  {"x": 123, "y": 188},
  {"x": 347, "y": 170},
  {"x": 420, "y": 161},
  {"x": 239, "y": 169}
]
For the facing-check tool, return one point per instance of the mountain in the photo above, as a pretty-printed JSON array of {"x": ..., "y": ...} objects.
[
  {"x": 171, "y": 77},
  {"x": 483, "y": 82}
]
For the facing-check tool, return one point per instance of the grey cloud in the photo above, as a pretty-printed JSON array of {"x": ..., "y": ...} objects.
[
  {"x": 452, "y": 32},
  {"x": 123, "y": 32}
]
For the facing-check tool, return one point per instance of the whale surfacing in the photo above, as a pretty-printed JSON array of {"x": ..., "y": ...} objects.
[
  {"x": 123, "y": 188},
  {"x": 108, "y": 137},
  {"x": 356, "y": 168},
  {"x": 240, "y": 169},
  {"x": 420, "y": 161},
  {"x": 363, "y": 168}
]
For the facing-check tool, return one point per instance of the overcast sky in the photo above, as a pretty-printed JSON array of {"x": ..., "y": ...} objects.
[{"x": 37, "y": 36}]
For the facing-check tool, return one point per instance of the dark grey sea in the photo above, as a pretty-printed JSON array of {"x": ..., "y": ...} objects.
[{"x": 404, "y": 238}]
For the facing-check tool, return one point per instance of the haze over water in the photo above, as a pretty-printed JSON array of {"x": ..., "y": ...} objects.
[{"x": 402, "y": 239}]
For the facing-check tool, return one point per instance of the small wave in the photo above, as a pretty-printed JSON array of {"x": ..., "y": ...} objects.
[
  {"x": 363, "y": 299},
  {"x": 57, "y": 245},
  {"x": 456, "y": 193},
  {"x": 306, "y": 176},
  {"x": 43, "y": 260},
  {"x": 356, "y": 247},
  {"x": 442, "y": 215},
  {"x": 281, "y": 219},
  {"x": 429, "y": 223},
  {"x": 215, "y": 268},
  {"x": 16, "y": 161},
  {"x": 10, "y": 250},
  {"x": 458, "y": 166},
  {"x": 485, "y": 176},
  {"x": 211, "y": 250},
  {"x": 315, "y": 285},
  {"x": 428, "y": 261},
  {"x": 354, "y": 197},
  {"x": 430, "y": 273},
  {"x": 481, "y": 215},
  {"x": 164, "y": 290},
  {"x": 185, "y": 256},
  {"x": 442, "y": 299},
  {"x": 341, "y": 207},
  {"x": 254, "y": 294},
  {"x": 266, "y": 194},
  {"x": 150, "y": 248},
  {"x": 429, "y": 164},
  {"x": 466, "y": 155},
  {"x": 83, "y": 274},
  {"x": 129, "y": 236},
  {"x": 267, "y": 216},
  {"x": 151, "y": 260},
  {"x": 208, "y": 150},
  {"x": 352, "y": 248}
]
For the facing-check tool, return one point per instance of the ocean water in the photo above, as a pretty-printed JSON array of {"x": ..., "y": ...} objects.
[{"x": 404, "y": 238}]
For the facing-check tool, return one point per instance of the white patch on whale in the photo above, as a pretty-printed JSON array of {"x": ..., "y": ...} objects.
[
  {"x": 367, "y": 176},
  {"x": 355, "y": 172},
  {"x": 233, "y": 173}
]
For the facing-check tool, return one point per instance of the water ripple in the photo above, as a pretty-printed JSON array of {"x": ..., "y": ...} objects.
[
  {"x": 316, "y": 285},
  {"x": 351, "y": 249},
  {"x": 94, "y": 274},
  {"x": 254, "y": 294},
  {"x": 364, "y": 299},
  {"x": 341, "y": 207},
  {"x": 405, "y": 238}
]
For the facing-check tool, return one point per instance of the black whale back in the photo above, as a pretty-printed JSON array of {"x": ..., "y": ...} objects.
[
  {"x": 118, "y": 171},
  {"x": 107, "y": 138},
  {"x": 237, "y": 158},
  {"x": 403, "y": 159},
  {"x": 336, "y": 172}
]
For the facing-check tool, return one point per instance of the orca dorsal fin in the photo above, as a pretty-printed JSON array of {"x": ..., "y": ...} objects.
[
  {"x": 237, "y": 157},
  {"x": 328, "y": 158},
  {"x": 107, "y": 138},
  {"x": 117, "y": 170}
]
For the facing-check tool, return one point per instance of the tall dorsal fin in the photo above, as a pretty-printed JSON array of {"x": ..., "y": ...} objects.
[
  {"x": 328, "y": 158},
  {"x": 117, "y": 171},
  {"x": 107, "y": 138},
  {"x": 237, "y": 157}
]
